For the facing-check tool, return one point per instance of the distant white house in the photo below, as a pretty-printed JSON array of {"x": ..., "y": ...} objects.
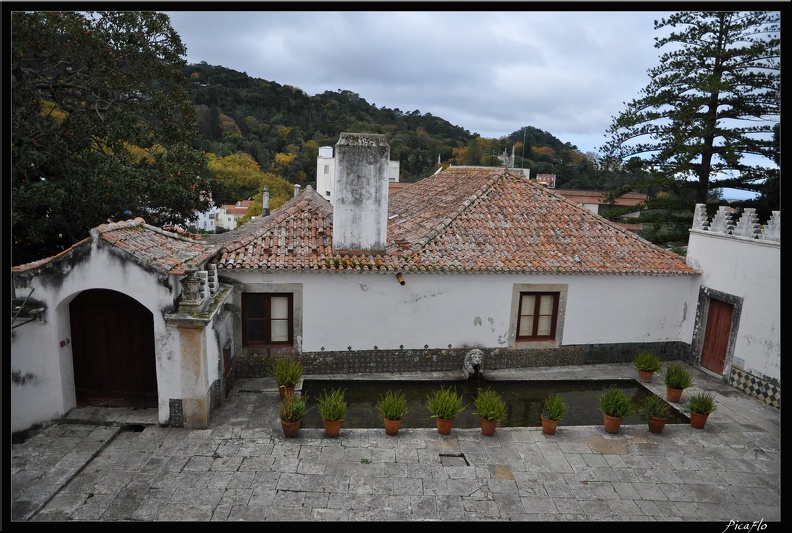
[
  {"x": 326, "y": 173},
  {"x": 207, "y": 220},
  {"x": 230, "y": 213}
]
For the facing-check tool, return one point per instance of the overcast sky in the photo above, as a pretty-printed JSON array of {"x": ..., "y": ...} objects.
[{"x": 489, "y": 72}]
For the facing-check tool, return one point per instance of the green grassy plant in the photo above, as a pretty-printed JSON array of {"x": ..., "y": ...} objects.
[
  {"x": 655, "y": 407},
  {"x": 287, "y": 371},
  {"x": 677, "y": 376},
  {"x": 554, "y": 407},
  {"x": 647, "y": 362},
  {"x": 393, "y": 405},
  {"x": 293, "y": 407},
  {"x": 445, "y": 403},
  {"x": 615, "y": 402},
  {"x": 332, "y": 405},
  {"x": 702, "y": 403},
  {"x": 490, "y": 406}
]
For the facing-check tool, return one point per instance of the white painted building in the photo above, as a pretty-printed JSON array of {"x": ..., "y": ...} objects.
[
  {"x": 207, "y": 220},
  {"x": 229, "y": 215},
  {"x": 135, "y": 315}
]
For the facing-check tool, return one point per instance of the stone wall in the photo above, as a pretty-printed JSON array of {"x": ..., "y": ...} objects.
[{"x": 449, "y": 360}]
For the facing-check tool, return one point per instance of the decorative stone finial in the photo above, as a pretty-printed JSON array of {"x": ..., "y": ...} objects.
[
  {"x": 721, "y": 222},
  {"x": 747, "y": 225},
  {"x": 700, "y": 217},
  {"x": 772, "y": 230}
]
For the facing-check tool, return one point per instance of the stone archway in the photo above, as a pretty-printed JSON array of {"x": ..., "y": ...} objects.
[{"x": 113, "y": 350}]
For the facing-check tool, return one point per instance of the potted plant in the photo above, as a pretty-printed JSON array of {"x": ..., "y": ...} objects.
[
  {"x": 700, "y": 405},
  {"x": 553, "y": 411},
  {"x": 332, "y": 408},
  {"x": 656, "y": 411},
  {"x": 292, "y": 408},
  {"x": 393, "y": 408},
  {"x": 445, "y": 404},
  {"x": 677, "y": 377},
  {"x": 647, "y": 364},
  {"x": 491, "y": 408},
  {"x": 287, "y": 372},
  {"x": 615, "y": 405}
]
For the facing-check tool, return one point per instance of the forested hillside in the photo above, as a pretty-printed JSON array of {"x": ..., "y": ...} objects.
[{"x": 282, "y": 128}]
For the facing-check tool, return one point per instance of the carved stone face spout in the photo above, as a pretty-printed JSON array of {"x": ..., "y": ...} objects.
[{"x": 474, "y": 363}]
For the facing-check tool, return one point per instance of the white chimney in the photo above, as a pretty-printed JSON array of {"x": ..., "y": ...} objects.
[
  {"x": 296, "y": 189},
  {"x": 360, "y": 209}
]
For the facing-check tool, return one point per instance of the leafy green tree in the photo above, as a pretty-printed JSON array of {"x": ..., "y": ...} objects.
[
  {"x": 239, "y": 173},
  {"x": 713, "y": 100},
  {"x": 101, "y": 127},
  {"x": 280, "y": 192}
]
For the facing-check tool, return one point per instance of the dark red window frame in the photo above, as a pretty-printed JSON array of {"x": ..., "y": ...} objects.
[
  {"x": 536, "y": 316},
  {"x": 263, "y": 300}
]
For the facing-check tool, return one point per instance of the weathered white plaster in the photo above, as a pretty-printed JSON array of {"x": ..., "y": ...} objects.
[
  {"x": 750, "y": 269},
  {"x": 35, "y": 347},
  {"x": 360, "y": 209},
  {"x": 438, "y": 309}
]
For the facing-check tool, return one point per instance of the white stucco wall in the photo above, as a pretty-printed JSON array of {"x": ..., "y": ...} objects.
[
  {"x": 749, "y": 269},
  {"x": 49, "y": 392},
  {"x": 364, "y": 310}
]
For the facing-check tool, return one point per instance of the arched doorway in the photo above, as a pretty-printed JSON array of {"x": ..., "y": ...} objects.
[{"x": 113, "y": 350}]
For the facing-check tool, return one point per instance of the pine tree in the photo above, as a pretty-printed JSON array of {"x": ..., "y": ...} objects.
[{"x": 713, "y": 100}]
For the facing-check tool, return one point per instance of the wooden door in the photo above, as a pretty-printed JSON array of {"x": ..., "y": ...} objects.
[
  {"x": 113, "y": 350},
  {"x": 716, "y": 337}
]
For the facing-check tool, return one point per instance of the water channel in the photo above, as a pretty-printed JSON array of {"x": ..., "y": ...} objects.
[{"x": 524, "y": 400}]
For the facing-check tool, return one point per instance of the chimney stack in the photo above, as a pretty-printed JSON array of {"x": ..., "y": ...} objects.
[
  {"x": 265, "y": 210},
  {"x": 360, "y": 209}
]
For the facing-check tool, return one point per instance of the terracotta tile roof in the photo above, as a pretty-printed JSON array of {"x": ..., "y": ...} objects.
[
  {"x": 597, "y": 197},
  {"x": 146, "y": 244},
  {"x": 231, "y": 209},
  {"x": 459, "y": 220},
  {"x": 41, "y": 262},
  {"x": 296, "y": 236},
  {"x": 164, "y": 250}
]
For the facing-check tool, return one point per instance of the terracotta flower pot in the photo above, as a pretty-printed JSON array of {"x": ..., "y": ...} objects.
[
  {"x": 392, "y": 426},
  {"x": 612, "y": 424},
  {"x": 290, "y": 429},
  {"x": 673, "y": 395},
  {"x": 549, "y": 426},
  {"x": 332, "y": 427},
  {"x": 656, "y": 424},
  {"x": 645, "y": 376},
  {"x": 488, "y": 427},
  {"x": 444, "y": 425},
  {"x": 697, "y": 420},
  {"x": 285, "y": 390}
]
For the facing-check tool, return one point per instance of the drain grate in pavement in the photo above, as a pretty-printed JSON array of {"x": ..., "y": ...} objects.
[
  {"x": 453, "y": 459},
  {"x": 135, "y": 428}
]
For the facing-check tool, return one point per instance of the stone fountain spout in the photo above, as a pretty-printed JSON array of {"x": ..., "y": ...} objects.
[{"x": 474, "y": 363}]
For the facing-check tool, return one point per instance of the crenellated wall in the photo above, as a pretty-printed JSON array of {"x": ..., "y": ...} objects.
[{"x": 740, "y": 261}]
